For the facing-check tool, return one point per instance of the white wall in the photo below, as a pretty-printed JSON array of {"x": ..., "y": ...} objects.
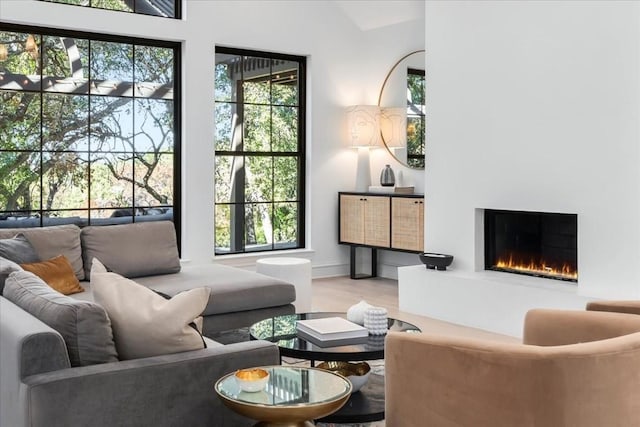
[
  {"x": 347, "y": 63},
  {"x": 536, "y": 106}
]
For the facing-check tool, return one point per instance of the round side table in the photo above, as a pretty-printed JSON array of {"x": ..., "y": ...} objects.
[
  {"x": 292, "y": 398},
  {"x": 296, "y": 271}
]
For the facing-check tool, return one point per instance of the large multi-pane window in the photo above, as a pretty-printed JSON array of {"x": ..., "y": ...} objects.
[
  {"x": 416, "y": 120},
  {"x": 259, "y": 151},
  {"x": 164, "y": 8},
  {"x": 88, "y": 128}
]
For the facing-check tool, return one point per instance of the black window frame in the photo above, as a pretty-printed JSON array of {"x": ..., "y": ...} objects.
[
  {"x": 421, "y": 116},
  {"x": 177, "y": 112},
  {"x": 240, "y": 233},
  {"x": 137, "y": 7}
]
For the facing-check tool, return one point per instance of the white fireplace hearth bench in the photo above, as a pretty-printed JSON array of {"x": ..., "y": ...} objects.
[
  {"x": 489, "y": 300},
  {"x": 380, "y": 221}
]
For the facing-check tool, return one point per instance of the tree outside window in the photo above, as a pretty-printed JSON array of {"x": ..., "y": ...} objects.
[
  {"x": 259, "y": 151},
  {"x": 416, "y": 119},
  {"x": 163, "y": 8},
  {"x": 87, "y": 129}
]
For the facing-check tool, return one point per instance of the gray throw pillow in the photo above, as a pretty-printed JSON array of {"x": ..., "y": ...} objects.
[
  {"x": 49, "y": 242},
  {"x": 6, "y": 267},
  {"x": 18, "y": 250},
  {"x": 84, "y": 325}
]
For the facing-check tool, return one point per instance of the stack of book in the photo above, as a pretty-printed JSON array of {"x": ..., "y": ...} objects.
[
  {"x": 396, "y": 189},
  {"x": 331, "y": 331}
]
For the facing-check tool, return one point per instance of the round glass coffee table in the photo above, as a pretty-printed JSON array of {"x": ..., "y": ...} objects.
[
  {"x": 293, "y": 396},
  {"x": 282, "y": 331},
  {"x": 366, "y": 405}
]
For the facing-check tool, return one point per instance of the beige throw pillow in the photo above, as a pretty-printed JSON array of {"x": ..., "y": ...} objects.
[{"x": 144, "y": 323}]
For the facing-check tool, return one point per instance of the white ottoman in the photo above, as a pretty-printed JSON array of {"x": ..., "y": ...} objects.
[{"x": 296, "y": 271}]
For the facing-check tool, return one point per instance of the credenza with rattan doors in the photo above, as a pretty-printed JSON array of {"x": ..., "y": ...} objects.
[{"x": 380, "y": 221}]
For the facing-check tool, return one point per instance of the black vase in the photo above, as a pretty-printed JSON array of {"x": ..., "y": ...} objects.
[{"x": 387, "y": 178}]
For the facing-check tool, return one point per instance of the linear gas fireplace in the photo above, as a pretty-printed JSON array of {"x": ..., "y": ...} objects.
[{"x": 534, "y": 243}]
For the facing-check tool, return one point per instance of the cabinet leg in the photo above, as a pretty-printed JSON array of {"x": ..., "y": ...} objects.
[{"x": 352, "y": 264}]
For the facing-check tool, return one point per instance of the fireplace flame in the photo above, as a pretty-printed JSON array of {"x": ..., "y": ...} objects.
[{"x": 537, "y": 268}]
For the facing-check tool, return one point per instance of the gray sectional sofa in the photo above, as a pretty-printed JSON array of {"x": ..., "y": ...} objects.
[{"x": 40, "y": 387}]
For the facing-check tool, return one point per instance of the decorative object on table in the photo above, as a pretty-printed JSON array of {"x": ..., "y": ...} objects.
[
  {"x": 387, "y": 178},
  {"x": 436, "y": 261},
  {"x": 252, "y": 380},
  {"x": 356, "y": 373},
  {"x": 380, "y": 189},
  {"x": 364, "y": 133},
  {"x": 375, "y": 342},
  {"x": 375, "y": 320},
  {"x": 355, "y": 313},
  {"x": 403, "y": 190},
  {"x": 331, "y": 328}
]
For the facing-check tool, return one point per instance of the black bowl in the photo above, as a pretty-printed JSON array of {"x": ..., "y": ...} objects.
[{"x": 436, "y": 261}]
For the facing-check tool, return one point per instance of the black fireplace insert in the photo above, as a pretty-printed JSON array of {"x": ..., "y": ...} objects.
[{"x": 539, "y": 244}]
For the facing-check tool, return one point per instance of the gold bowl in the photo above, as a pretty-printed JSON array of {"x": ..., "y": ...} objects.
[
  {"x": 356, "y": 373},
  {"x": 252, "y": 380}
]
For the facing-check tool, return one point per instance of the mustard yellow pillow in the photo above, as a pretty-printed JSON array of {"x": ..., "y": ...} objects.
[{"x": 57, "y": 273}]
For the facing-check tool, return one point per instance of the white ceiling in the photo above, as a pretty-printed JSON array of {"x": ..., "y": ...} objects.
[{"x": 369, "y": 15}]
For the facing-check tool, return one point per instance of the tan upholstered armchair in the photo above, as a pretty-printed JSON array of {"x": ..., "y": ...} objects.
[
  {"x": 574, "y": 368},
  {"x": 619, "y": 306}
]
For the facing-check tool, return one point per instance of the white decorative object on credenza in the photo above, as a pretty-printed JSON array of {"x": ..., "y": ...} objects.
[
  {"x": 375, "y": 320},
  {"x": 355, "y": 313}
]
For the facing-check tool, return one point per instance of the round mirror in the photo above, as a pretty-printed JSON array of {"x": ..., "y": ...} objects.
[{"x": 402, "y": 104}]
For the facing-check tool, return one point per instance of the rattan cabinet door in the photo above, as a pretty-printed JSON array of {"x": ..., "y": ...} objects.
[
  {"x": 377, "y": 215},
  {"x": 352, "y": 219},
  {"x": 407, "y": 224}
]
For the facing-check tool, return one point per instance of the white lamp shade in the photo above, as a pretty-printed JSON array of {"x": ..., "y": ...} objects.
[
  {"x": 363, "y": 123},
  {"x": 393, "y": 126}
]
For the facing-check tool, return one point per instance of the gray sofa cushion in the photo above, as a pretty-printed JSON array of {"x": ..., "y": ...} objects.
[
  {"x": 18, "y": 249},
  {"x": 232, "y": 289},
  {"x": 132, "y": 250},
  {"x": 49, "y": 242},
  {"x": 6, "y": 267},
  {"x": 84, "y": 325}
]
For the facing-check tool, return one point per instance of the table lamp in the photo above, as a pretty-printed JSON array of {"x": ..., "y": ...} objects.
[{"x": 364, "y": 133}]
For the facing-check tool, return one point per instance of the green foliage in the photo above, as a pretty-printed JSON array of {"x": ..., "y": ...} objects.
[
  {"x": 100, "y": 4},
  {"x": 416, "y": 120},
  {"x": 260, "y": 190},
  {"x": 111, "y": 5},
  {"x": 81, "y": 135}
]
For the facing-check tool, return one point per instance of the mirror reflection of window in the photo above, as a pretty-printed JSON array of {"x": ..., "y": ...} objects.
[
  {"x": 402, "y": 104},
  {"x": 415, "y": 117}
]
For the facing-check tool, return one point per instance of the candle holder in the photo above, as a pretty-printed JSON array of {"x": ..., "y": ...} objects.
[{"x": 375, "y": 320}]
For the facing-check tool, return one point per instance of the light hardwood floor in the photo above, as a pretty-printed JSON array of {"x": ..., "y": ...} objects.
[{"x": 340, "y": 293}]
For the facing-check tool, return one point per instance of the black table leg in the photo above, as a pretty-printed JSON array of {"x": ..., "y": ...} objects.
[{"x": 352, "y": 266}]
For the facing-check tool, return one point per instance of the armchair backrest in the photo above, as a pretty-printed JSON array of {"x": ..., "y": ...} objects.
[
  {"x": 444, "y": 381},
  {"x": 561, "y": 327}
]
